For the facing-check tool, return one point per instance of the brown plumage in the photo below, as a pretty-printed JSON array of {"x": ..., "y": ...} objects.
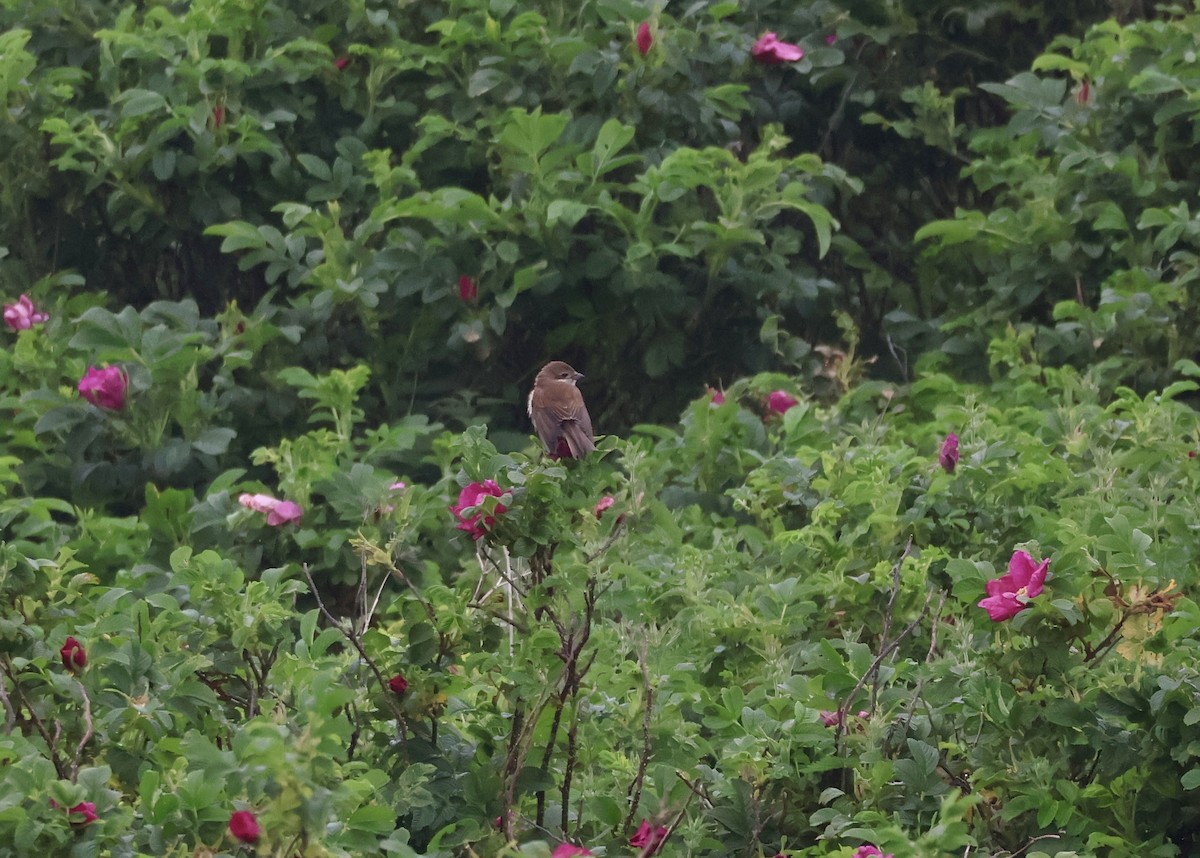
[{"x": 559, "y": 416}]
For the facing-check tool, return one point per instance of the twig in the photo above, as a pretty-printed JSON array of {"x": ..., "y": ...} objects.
[
  {"x": 933, "y": 628},
  {"x": 697, "y": 789},
  {"x": 635, "y": 788},
  {"x": 1100, "y": 650},
  {"x": 872, "y": 671},
  {"x": 51, "y": 744},
  {"x": 887, "y": 614},
  {"x": 354, "y": 641},
  {"x": 87, "y": 731},
  {"x": 609, "y": 542},
  {"x": 360, "y": 597},
  {"x": 508, "y": 588},
  {"x": 1035, "y": 840},
  {"x": 652, "y": 847},
  {"x": 501, "y": 572},
  {"x": 10, "y": 713}
]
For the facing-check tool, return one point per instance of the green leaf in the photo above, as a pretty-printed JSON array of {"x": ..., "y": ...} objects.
[
  {"x": 139, "y": 102},
  {"x": 566, "y": 212}
]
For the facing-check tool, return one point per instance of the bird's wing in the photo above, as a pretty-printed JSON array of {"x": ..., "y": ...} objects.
[{"x": 566, "y": 418}]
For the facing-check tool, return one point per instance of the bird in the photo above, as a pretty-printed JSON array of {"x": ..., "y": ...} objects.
[{"x": 559, "y": 416}]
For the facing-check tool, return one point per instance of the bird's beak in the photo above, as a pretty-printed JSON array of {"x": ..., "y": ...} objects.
[{"x": 579, "y": 376}]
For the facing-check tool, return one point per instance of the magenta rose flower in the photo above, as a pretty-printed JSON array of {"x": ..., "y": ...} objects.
[
  {"x": 770, "y": 51},
  {"x": 277, "y": 511},
  {"x": 716, "y": 396},
  {"x": 468, "y": 290},
  {"x": 341, "y": 62},
  {"x": 22, "y": 315},
  {"x": 478, "y": 523},
  {"x": 948, "y": 455},
  {"x": 243, "y": 825},
  {"x": 398, "y": 684},
  {"x": 568, "y": 850},
  {"x": 85, "y": 810},
  {"x": 1009, "y": 594},
  {"x": 104, "y": 387},
  {"x": 870, "y": 851},
  {"x": 604, "y": 503},
  {"x": 73, "y": 655},
  {"x": 644, "y": 38},
  {"x": 649, "y": 838},
  {"x": 780, "y": 401}
]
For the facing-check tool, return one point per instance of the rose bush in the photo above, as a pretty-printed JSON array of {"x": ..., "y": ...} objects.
[{"x": 774, "y": 643}]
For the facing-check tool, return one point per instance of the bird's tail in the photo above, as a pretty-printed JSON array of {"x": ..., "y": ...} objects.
[{"x": 578, "y": 440}]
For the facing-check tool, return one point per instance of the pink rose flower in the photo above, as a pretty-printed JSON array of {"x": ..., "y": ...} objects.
[
  {"x": 716, "y": 397},
  {"x": 85, "y": 809},
  {"x": 22, "y": 315},
  {"x": 104, "y": 387},
  {"x": 649, "y": 838},
  {"x": 567, "y": 850},
  {"x": 831, "y": 39},
  {"x": 870, "y": 851},
  {"x": 244, "y": 826},
  {"x": 468, "y": 290},
  {"x": 1083, "y": 95},
  {"x": 1009, "y": 594},
  {"x": 770, "y": 51},
  {"x": 341, "y": 62},
  {"x": 477, "y": 524},
  {"x": 277, "y": 511},
  {"x": 604, "y": 503},
  {"x": 73, "y": 655},
  {"x": 948, "y": 456},
  {"x": 780, "y": 401},
  {"x": 644, "y": 38}
]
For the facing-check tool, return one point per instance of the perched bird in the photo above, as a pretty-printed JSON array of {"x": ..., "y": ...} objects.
[{"x": 559, "y": 415}]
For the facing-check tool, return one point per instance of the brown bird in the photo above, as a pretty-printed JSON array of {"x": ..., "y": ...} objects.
[{"x": 559, "y": 415}]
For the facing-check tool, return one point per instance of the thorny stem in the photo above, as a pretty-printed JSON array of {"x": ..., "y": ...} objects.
[
  {"x": 885, "y": 650},
  {"x": 541, "y": 796},
  {"x": 888, "y": 612},
  {"x": 635, "y": 788},
  {"x": 87, "y": 732},
  {"x": 608, "y": 543},
  {"x": 10, "y": 713},
  {"x": 696, "y": 788},
  {"x": 1101, "y": 649},
  {"x": 37, "y": 721},
  {"x": 366, "y": 657}
]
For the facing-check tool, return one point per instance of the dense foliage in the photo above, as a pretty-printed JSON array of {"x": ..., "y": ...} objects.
[{"x": 282, "y": 572}]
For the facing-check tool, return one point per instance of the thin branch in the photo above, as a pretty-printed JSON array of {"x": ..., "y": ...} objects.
[
  {"x": 872, "y": 671},
  {"x": 87, "y": 731},
  {"x": 354, "y": 641},
  {"x": 888, "y": 612},
  {"x": 10, "y": 713},
  {"x": 635, "y": 788},
  {"x": 1100, "y": 650},
  {"x": 696, "y": 788},
  {"x": 933, "y": 628},
  {"x": 609, "y": 542},
  {"x": 51, "y": 744},
  {"x": 1035, "y": 840}
]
